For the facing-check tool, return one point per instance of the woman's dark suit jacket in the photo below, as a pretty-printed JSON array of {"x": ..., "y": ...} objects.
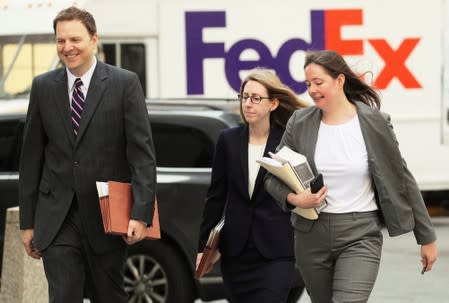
[{"x": 259, "y": 216}]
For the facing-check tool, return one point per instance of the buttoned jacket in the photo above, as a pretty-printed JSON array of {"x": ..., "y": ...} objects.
[{"x": 114, "y": 142}]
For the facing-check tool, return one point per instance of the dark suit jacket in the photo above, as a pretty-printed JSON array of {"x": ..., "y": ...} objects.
[
  {"x": 397, "y": 193},
  {"x": 260, "y": 216},
  {"x": 114, "y": 143}
]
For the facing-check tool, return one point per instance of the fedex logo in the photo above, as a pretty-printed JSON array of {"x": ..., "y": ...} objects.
[{"x": 325, "y": 29}]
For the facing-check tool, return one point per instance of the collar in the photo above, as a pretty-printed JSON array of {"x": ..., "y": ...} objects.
[{"x": 85, "y": 78}]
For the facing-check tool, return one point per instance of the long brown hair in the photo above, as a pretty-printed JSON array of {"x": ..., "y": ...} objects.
[
  {"x": 288, "y": 101},
  {"x": 355, "y": 88}
]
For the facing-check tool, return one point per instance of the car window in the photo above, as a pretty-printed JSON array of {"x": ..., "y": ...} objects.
[
  {"x": 10, "y": 145},
  {"x": 181, "y": 146},
  {"x": 175, "y": 146},
  {"x": 130, "y": 56}
]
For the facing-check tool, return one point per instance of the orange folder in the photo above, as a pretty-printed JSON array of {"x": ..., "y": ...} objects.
[{"x": 116, "y": 211}]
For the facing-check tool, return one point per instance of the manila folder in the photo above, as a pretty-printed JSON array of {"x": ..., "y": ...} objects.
[{"x": 287, "y": 174}]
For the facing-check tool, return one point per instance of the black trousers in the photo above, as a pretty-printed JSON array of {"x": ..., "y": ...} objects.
[{"x": 73, "y": 269}]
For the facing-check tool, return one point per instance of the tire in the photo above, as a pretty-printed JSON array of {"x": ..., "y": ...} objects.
[{"x": 156, "y": 273}]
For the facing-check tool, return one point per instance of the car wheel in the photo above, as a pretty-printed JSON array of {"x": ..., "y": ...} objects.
[{"x": 152, "y": 271}]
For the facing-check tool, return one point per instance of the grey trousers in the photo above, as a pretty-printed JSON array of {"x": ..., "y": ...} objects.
[{"x": 339, "y": 257}]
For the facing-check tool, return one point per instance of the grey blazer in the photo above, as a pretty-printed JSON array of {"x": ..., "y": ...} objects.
[
  {"x": 397, "y": 194},
  {"x": 114, "y": 143}
]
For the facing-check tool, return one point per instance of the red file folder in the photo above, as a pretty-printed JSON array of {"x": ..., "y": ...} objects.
[
  {"x": 210, "y": 250},
  {"x": 116, "y": 211}
]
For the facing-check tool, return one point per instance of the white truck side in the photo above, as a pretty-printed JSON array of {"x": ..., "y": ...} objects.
[{"x": 203, "y": 48}]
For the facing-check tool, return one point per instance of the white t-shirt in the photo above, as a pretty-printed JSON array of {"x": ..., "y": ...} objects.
[
  {"x": 255, "y": 152},
  {"x": 341, "y": 156}
]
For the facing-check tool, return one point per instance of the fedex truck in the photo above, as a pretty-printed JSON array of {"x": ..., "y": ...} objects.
[{"x": 204, "y": 48}]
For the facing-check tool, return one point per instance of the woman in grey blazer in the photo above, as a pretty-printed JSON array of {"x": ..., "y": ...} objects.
[{"x": 347, "y": 139}]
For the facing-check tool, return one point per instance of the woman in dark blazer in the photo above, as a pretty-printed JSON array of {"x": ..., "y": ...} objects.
[
  {"x": 257, "y": 257},
  {"x": 347, "y": 139}
]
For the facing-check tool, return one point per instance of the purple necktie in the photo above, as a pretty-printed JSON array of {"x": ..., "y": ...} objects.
[{"x": 77, "y": 105}]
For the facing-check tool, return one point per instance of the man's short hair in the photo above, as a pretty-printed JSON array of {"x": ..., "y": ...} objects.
[{"x": 74, "y": 13}]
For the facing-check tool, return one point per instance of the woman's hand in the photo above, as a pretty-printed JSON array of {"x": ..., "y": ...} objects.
[
  {"x": 215, "y": 257},
  {"x": 306, "y": 199},
  {"x": 428, "y": 255}
]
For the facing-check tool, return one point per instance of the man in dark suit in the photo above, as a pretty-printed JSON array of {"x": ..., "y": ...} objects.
[{"x": 86, "y": 122}]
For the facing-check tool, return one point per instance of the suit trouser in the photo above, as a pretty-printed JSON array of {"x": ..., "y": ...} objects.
[
  {"x": 339, "y": 257},
  {"x": 71, "y": 267}
]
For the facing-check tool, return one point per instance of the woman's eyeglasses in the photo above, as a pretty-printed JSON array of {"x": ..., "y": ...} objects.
[{"x": 254, "y": 98}]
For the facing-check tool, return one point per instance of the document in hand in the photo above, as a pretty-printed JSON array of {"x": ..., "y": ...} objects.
[
  {"x": 210, "y": 250},
  {"x": 294, "y": 170},
  {"x": 116, "y": 200}
]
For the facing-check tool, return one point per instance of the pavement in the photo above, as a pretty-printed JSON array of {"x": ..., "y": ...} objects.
[{"x": 400, "y": 279}]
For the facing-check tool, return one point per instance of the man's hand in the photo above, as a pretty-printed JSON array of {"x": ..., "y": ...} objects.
[
  {"x": 27, "y": 240},
  {"x": 136, "y": 231}
]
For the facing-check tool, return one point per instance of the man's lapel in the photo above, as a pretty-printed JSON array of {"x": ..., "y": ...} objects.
[
  {"x": 96, "y": 89},
  {"x": 61, "y": 98}
]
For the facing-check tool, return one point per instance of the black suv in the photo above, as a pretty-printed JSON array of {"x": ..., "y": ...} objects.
[{"x": 184, "y": 133}]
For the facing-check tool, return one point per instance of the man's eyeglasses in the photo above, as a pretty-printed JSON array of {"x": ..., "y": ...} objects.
[{"x": 254, "y": 99}]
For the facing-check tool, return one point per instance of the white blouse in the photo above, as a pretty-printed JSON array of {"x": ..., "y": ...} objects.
[
  {"x": 255, "y": 152},
  {"x": 341, "y": 156}
]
